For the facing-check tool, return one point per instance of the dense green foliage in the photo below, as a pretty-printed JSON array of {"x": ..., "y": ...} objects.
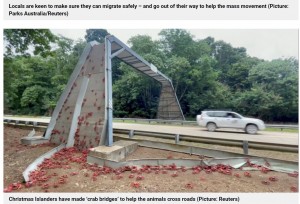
[{"x": 206, "y": 74}]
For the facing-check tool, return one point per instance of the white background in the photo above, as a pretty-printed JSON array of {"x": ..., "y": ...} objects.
[
  {"x": 166, "y": 14},
  {"x": 245, "y": 198}
]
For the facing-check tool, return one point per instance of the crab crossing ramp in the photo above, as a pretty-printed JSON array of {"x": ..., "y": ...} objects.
[{"x": 83, "y": 114}]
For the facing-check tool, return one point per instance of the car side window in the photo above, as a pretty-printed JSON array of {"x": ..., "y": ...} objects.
[
  {"x": 235, "y": 116},
  {"x": 216, "y": 114}
]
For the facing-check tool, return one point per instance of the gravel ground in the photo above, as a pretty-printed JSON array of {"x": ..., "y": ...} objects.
[{"x": 68, "y": 172}]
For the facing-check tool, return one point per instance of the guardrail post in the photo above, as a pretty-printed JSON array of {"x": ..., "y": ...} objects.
[
  {"x": 26, "y": 123},
  {"x": 131, "y": 133},
  {"x": 8, "y": 121},
  {"x": 176, "y": 138},
  {"x": 34, "y": 123},
  {"x": 17, "y": 122},
  {"x": 245, "y": 146}
]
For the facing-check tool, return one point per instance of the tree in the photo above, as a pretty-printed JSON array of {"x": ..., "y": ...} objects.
[
  {"x": 33, "y": 84},
  {"x": 258, "y": 102},
  {"x": 238, "y": 73},
  {"x": 226, "y": 56},
  {"x": 279, "y": 77},
  {"x": 20, "y": 42},
  {"x": 176, "y": 41},
  {"x": 141, "y": 95},
  {"x": 96, "y": 34},
  {"x": 179, "y": 42},
  {"x": 205, "y": 74}
]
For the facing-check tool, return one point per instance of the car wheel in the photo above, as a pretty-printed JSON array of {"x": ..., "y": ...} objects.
[
  {"x": 211, "y": 127},
  {"x": 251, "y": 129}
]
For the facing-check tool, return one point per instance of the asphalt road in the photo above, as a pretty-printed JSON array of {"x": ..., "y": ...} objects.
[{"x": 262, "y": 136}]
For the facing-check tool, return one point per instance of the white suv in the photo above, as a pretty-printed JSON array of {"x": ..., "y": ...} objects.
[{"x": 227, "y": 119}]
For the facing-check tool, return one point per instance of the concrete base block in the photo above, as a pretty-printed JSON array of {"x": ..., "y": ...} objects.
[
  {"x": 33, "y": 140},
  {"x": 130, "y": 146},
  {"x": 117, "y": 152},
  {"x": 114, "y": 153}
]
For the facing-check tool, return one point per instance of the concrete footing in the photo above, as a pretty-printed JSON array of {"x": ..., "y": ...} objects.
[
  {"x": 33, "y": 140},
  {"x": 117, "y": 152}
]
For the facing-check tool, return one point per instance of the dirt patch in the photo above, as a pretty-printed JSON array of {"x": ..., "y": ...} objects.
[
  {"x": 67, "y": 171},
  {"x": 17, "y": 156}
]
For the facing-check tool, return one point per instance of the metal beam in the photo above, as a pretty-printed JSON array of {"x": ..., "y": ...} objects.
[
  {"x": 117, "y": 53},
  {"x": 39, "y": 160},
  {"x": 108, "y": 91},
  {"x": 77, "y": 110}
]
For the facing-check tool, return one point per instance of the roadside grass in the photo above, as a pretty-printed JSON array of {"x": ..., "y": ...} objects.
[{"x": 271, "y": 129}]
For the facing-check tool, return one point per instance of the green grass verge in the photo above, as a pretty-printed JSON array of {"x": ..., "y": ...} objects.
[{"x": 269, "y": 129}]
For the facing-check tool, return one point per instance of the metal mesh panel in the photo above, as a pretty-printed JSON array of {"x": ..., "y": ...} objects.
[
  {"x": 83, "y": 115},
  {"x": 89, "y": 124},
  {"x": 168, "y": 107}
]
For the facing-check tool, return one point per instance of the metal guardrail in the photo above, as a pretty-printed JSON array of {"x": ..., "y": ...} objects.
[
  {"x": 149, "y": 121},
  {"x": 194, "y": 123},
  {"x": 26, "y": 123},
  {"x": 209, "y": 140},
  {"x": 239, "y": 143}
]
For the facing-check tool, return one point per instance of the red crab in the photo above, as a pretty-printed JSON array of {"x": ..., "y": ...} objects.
[
  {"x": 294, "y": 189},
  {"x": 164, "y": 172},
  {"x": 202, "y": 179},
  {"x": 135, "y": 184},
  {"x": 273, "y": 178},
  {"x": 28, "y": 184},
  {"x": 247, "y": 174},
  {"x": 8, "y": 189},
  {"x": 16, "y": 186},
  {"x": 139, "y": 177},
  {"x": 45, "y": 186},
  {"x": 61, "y": 181},
  {"x": 189, "y": 186},
  {"x": 264, "y": 170},
  {"x": 74, "y": 173},
  {"x": 196, "y": 171},
  {"x": 294, "y": 174},
  {"x": 208, "y": 171},
  {"x": 237, "y": 175},
  {"x": 175, "y": 174}
]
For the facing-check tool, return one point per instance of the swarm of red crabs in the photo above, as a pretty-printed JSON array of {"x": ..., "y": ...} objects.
[{"x": 44, "y": 177}]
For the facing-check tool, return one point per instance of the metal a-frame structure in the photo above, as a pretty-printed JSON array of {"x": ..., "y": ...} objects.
[{"x": 84, "y": 113}]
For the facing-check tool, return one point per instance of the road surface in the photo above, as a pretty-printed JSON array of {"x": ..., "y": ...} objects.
[{"x": 262, "y": 136}]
